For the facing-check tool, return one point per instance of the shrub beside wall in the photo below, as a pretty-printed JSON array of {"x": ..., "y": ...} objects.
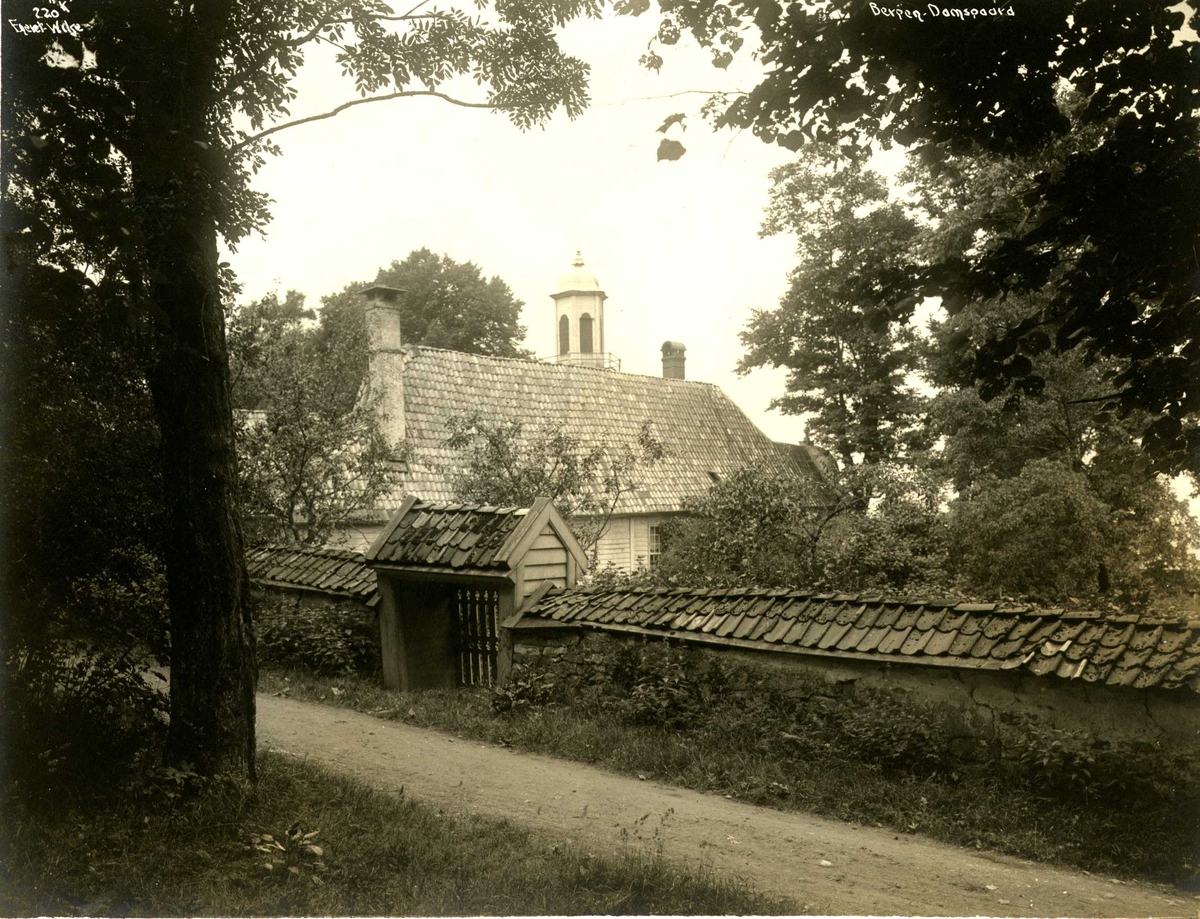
[
  {"x": 798, "y": 715},
  {"x": 324, "y": 634}
]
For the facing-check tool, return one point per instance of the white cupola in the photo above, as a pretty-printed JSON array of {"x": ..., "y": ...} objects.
[{"x": 579, "y": 319}]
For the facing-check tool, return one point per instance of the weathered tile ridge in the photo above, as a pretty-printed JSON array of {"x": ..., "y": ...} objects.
[
  {"x": 1119, "y": 649},
  {"x": 338, "y": 572}
]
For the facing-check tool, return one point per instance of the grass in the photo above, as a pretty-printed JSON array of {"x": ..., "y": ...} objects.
[
  {"x": 175, "y": 849},
  {"x": 979, "y": 807}
]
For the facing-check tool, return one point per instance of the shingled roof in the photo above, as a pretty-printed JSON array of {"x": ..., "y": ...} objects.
[
  {"x": 464, "y": 538},
  {"x": 1088, "y": 645},
  {"x": 338, "y": 572},
  {"x": 704, "y": 433}
]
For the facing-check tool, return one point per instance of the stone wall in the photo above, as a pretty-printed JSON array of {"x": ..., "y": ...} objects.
[{"x": 1167, "y": 719}]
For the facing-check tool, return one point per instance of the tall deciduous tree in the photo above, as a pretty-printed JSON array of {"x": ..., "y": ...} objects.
[
  {"x": 446, "y": 304},
  {"x": 847, "y": 352},
  {"x": 128, "y": 151},
  {"x": 1115, "y": 227}
]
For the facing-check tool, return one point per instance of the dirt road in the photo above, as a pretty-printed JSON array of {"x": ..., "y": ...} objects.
[{"x": 829, "y": 867}]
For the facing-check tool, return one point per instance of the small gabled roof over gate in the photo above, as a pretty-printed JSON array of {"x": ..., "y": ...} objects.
[{"x": 467, "y": 539}]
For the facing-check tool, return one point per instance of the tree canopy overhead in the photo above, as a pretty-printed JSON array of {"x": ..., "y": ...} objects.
[{"x": 1111, "y": 231}]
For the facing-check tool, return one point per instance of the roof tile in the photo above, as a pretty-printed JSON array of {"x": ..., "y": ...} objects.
[
  {"x": 835, "y": 633},
  {"x": 797, "y": 630},
  {"x": 338, "y": 572},
  {"x": 893, "y": 641},
  {"x": 916, "y": 641},
  {"x": 939, "y": 643},
  {"x": 813, "y": 634}
]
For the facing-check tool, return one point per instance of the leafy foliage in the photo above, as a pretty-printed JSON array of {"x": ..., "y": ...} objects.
[
  {"x": 899, "y": 541},
  {"x": 323, "y": 639},
  {"x": 446, "y": 304},
  {"x": 294, "y": 852},
  {"x": 847, "y": 350},
  {"x": 801, "y": 718},
  {"x": 306, "y": 461},
  {"x": 508, "y": 463},
  {"x": 76, "y": 718},
  {"x": 82, "y": 498},
  {"x": 1040, "y": 533},
  {"x": 1109, "y": 80},
  {"x": 755, "y": 527},
  {"x": 129, "y": 148},
  {"x": 1045, "y": 493}
]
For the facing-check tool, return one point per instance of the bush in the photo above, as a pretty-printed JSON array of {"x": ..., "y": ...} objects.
[
  {"x": 78, "y": 717},
  {"x": 896, "y": 732},
  {"x": 324, "y": 639}
]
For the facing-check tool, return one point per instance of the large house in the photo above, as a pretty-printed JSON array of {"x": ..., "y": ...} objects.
[{"x": 705, "y": 436}]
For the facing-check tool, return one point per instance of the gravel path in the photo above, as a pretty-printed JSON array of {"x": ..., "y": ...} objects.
[{"x": 829, "y": 867}]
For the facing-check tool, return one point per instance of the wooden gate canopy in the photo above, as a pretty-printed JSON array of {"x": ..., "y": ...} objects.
[{"x": 436, "y": 563}]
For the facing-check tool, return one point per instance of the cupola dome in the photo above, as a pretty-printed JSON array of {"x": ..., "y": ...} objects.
[{"x": 578, "y": 280}]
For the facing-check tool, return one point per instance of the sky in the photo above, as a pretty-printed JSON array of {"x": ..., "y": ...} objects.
[{"x": 674, "y": 245}]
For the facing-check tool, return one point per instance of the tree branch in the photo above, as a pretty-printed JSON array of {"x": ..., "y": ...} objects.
[
  {"x": 345, "y": 105},
  {"x": 1111, "y": 395},
  {"x": 263, "y": 59}
]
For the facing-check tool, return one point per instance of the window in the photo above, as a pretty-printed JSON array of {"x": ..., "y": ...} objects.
[
  {"x": 585, "y": 333},
  {"x": 655, "y": 544},
  {"x": 564, "y": 336}
]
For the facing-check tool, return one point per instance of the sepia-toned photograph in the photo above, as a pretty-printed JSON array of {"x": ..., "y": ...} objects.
[{"x": 585, "y": 458}]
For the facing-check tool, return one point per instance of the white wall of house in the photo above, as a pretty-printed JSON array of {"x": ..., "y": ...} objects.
[{"x": 630, "y": 542}]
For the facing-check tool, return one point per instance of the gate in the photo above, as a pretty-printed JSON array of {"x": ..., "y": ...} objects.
[{"x": 475, "y": 635}]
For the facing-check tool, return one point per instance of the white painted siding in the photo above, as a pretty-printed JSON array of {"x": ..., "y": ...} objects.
[
  {"x": 546, "y": 560},
  {"x": 614, "y": 544},
  {"x": 626, "y": 542}
]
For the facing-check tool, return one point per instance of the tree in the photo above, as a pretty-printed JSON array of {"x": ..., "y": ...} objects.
[
  {"x": 756, "y": 527},
  {"x": 129, "y": 147},
  {"x": 446, "y": 304},
  {"x": 306, "y": 462},
  {"x": 1120, "y": 262},
  {"x": 508, "y": 463},
  {"x": 1042, "y": 533},
  {"x": 1059, "y": 442},
  {"x": 1044, "y": 473},
  {"x": 895, "y": 542},
  {"x": 847, "y": 354}
]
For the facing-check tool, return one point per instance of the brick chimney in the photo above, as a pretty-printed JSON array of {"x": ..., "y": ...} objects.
[
  {"x": 673, "y": 354},
  {"x": 386, "y": 370}
]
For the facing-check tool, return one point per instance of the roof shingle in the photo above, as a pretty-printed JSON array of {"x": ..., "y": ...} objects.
[
  {"x": 1131, "y": 652},
  {"x": 704, "y": 433},
  {"x": 339, "y": 572},
  {"x": 458, "y": 536}
]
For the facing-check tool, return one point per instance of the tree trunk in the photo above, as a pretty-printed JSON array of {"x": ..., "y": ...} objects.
[{"x": 213, "y": 671}]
